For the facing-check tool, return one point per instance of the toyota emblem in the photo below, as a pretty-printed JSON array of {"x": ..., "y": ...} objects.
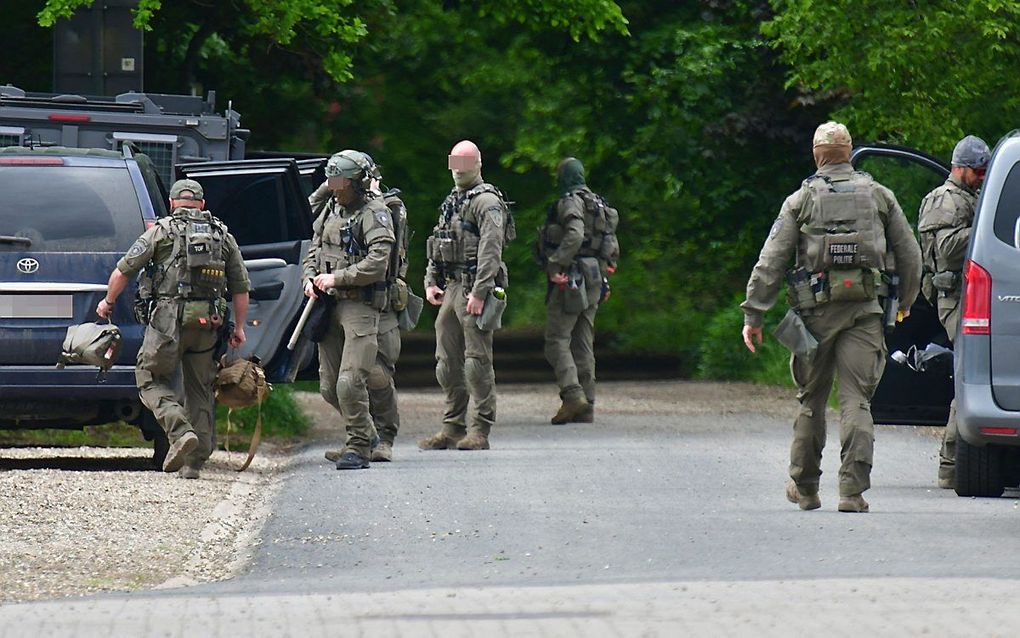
[{"x": 28, "y": 265}]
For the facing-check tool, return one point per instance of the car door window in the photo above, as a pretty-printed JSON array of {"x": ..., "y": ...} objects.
[{"x": 908, "y": 173}]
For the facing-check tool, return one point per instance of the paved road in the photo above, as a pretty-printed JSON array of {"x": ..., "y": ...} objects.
[{"x": 663, "y": 516}]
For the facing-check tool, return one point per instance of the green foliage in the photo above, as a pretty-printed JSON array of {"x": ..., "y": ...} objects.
[
  {"x": 923, "y": 75},
  {"x": 722, "y": 353},
  {"x": 281, "y": 416}
]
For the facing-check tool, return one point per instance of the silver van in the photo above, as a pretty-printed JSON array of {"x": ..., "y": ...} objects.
[{"x": 988, "y": 348}]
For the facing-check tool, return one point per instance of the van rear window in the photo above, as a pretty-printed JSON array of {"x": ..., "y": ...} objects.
[
  {"x": 69, "y": 208},
  {"x": 1008, "y": 210}
]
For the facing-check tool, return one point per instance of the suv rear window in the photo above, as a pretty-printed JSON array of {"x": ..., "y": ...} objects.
[{"x": 69, "y": 208}]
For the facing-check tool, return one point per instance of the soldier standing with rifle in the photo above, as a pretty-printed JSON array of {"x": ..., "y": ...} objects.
[
  {"x": 348, "y": 260},
  {"x": 840, "y": 226}
]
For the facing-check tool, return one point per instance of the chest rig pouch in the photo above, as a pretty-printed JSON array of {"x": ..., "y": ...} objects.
[
  {"x": 202, "y": 267},
  {"x": 842, "y": 240}
]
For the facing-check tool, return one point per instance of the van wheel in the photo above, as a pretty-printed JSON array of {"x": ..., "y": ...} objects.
[
  {"x": 980, "y": 471},
  {"x": 152, "y": 431}
]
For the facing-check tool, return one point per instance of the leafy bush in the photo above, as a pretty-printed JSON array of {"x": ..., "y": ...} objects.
[{"x": 722, "y": 354}]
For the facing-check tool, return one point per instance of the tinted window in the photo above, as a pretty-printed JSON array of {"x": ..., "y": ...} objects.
[
  {"x": 69, "y": 208},
  {"x": 1008, "y": 210},
  {"x": 251, "y": 204}
]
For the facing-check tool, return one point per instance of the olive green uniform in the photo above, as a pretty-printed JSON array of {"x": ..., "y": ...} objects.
[
  {"x": 354, "y": 246},
  {"x": 465, "y": 256},
  {"x": 170, "y": 348},
  {"x": 944, "y": 224},
  {"x": 857, "y": 211},
  {"x": 570, "y": 326},
  {"x": 382, "y": 392}
]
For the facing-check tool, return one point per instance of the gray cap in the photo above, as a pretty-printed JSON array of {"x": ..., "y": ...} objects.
[
  {"x": 182, "y": 185},
  {"x": 971, "y": 151}
]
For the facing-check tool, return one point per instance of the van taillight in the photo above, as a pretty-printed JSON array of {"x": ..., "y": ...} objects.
[{"x": 977, "y": 300}]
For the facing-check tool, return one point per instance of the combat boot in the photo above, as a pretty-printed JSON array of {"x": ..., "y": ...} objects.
[
  {"x": 586, "y": 416},
  {"x": 439, "y": 441},
  {"x": 855, "y": 503},
  {"x": 351, "y": 460},
  {"x": 474, "y": 441},
  {"x": 179, "y": 452},
  {"x": 333, "y": 455},
  {"x": 804, "y": 501},
  {"x": 570, "y": 410},
  {"x": 383, "y": 452},
  {"x": 188, "y": 472}
]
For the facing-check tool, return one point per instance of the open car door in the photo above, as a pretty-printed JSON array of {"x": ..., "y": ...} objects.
[
  {"x": 905, "y": 396},
  {"x": 265, "y": 207}
]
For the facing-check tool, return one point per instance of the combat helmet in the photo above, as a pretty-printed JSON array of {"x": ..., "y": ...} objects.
[{"x": 355, "y": 166}]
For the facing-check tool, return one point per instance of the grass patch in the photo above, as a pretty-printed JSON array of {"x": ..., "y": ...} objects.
[{"x": 281, "y": 419}]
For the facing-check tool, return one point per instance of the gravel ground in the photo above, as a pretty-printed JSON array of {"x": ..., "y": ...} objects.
[{"x": 75, "y": 521}]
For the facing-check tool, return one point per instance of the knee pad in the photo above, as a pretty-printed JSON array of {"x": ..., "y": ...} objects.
[
  {"x": 443, "y": 373},
  {"x": 478, "y": 374},
  {"x": 349, "y": 388},
  {"x": 378, "y": 378}
]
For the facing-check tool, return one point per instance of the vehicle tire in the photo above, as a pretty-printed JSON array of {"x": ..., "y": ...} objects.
[
  {"x": 152, "y": 431},
  {"x": 980, "y": 471}
]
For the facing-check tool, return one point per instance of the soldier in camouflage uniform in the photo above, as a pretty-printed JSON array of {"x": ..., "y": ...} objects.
[
  {"x": 843, "y": 228},
  {"x": 349, "y": 259},
  {"x": 382, "y": 392},
  {"x": 184, "y": 314},
  {"x": 944, "y": 223},
  {"x": 464, "y": 266},
  {"x": 578, "y": 250}
]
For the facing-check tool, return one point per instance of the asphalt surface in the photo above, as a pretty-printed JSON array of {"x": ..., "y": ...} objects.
[{"x": 658, "y": 505}]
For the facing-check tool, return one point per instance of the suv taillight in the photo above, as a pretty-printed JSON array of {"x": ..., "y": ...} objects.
[{"x": 977, "y": 300}]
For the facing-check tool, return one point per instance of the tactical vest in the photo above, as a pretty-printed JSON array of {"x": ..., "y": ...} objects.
[
  {"x": 453, "y": 246},
  {"x": 600, "y": 223},
  {"x": 342, "y": 239},
  {"x": 197, "y": 265},
  {"x": 946, "y": 278},
  {"x": 842, "y": 238}
]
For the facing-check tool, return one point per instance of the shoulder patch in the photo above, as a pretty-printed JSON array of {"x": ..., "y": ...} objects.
[
  {"x": 139, "y": 247},
  {"x": 495, "y": 215},
  {"x": 776, "y": 227},
  {"x": 384, "y": 219}
]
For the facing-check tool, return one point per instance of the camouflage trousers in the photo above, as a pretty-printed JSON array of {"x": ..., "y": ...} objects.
[
  {"x": 346, "y": 357},
  {"x": 570, "y": 349},
  {"x": 851, "y": 347},
  {"x": 175, "y": 372},
  {"x": 949, "y": 314},
  {"x": 464, "y": 366}
]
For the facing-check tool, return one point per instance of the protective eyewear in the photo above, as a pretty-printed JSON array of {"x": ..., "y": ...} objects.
[{"x": 980, "y": 172}]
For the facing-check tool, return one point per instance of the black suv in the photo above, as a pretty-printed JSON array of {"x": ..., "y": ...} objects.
[{"x": 67, "y": 215}]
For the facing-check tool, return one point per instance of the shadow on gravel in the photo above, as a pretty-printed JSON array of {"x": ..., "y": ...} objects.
[{"x": 77, "y": 464}]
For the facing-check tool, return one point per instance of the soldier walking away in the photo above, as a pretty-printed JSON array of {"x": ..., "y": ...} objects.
[
  {"x": 465, "y": 270},
  {"x": 844, "y": 231},
  {"x": 579, "y": 249},
  {"x": 349, "y": 259},
  {"x": 188, "y": 261},
  {"x": 382, "y": 393},
  {"x": 944, "y": 223}
]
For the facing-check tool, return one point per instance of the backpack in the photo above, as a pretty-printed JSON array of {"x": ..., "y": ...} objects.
[
  {"x": 239, "y": 384},
  {"x": 600, "y": 223},
  {"x": 91, "y": 344}
]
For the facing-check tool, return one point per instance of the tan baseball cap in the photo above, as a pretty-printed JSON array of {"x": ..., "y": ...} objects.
[{"x": 183, "y": 185}]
